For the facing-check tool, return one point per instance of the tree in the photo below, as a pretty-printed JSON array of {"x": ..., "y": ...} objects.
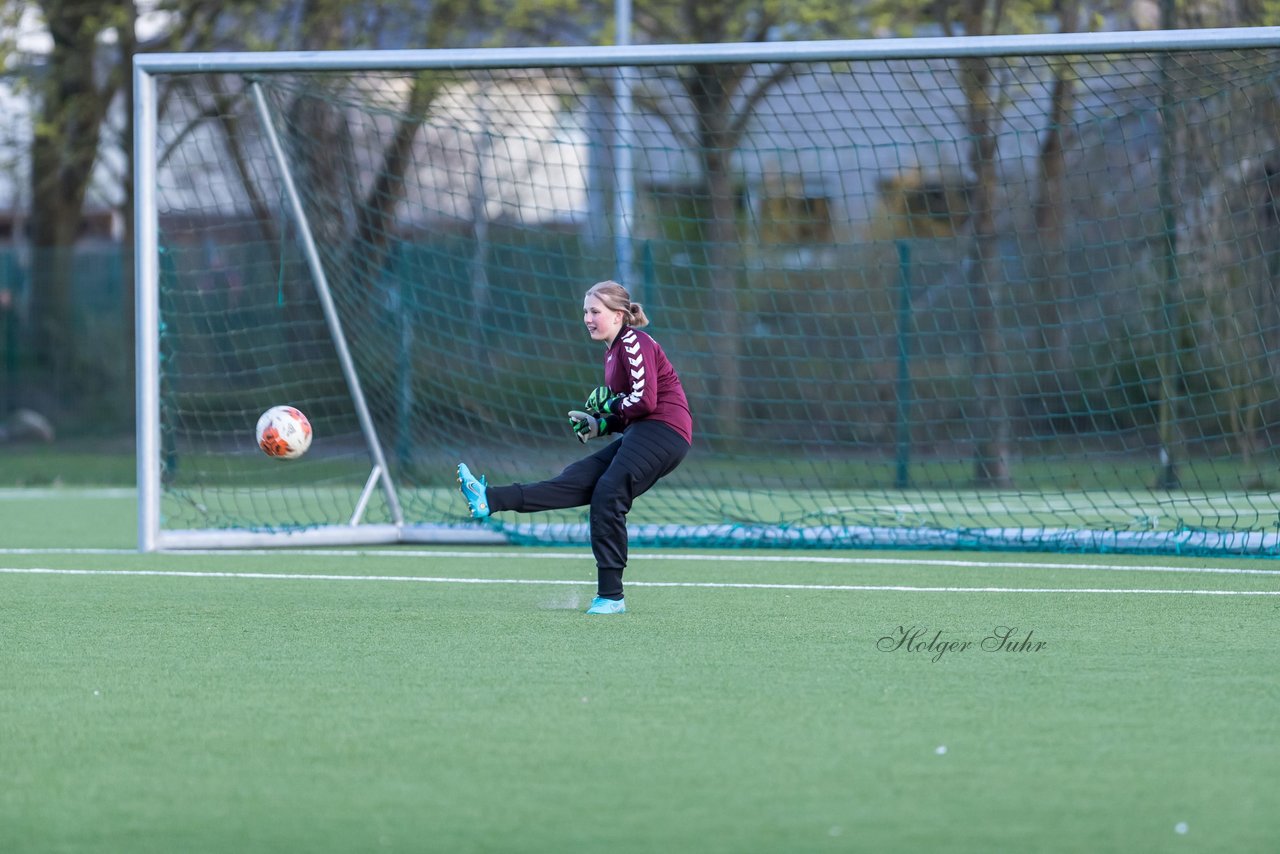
[
  {"x": 1049, "y": 265},
  {"x": 362, "y": 223},
  {"x": 980, "y": 80},
  {"x": 74, "y": 99},
  {"x": 83, "y": 99},
  {"x": 722, "y": 98},
  {"x": 86, "y": 70},
  {"x": 1219, "y": 295}
]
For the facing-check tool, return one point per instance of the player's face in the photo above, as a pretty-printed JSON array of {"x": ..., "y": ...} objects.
[{"x": 602, "y": 324}]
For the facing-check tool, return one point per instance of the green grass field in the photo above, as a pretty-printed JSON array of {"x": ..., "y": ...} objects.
[{"x": 458, "y": 700}]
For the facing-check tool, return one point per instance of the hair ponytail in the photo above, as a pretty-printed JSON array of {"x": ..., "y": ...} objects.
[
  {"x": 615, "y": 298},
  {"x": 637, "y": 316}
]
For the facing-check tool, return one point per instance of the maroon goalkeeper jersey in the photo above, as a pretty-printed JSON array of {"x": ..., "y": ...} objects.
[{"x": 635, "y": 366}]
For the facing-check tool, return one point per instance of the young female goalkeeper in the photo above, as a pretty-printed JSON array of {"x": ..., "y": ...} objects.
[{"x": 643, "y": 401}]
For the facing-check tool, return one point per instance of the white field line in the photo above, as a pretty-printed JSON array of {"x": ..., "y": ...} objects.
[
  {"x": 715, "y": 585},
  {"x": 24, "y": 493},
  {"x": 584, "y": 555}
]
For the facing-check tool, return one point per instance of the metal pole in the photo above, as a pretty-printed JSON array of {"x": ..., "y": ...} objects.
[
  {"x": 902, "y": 473},
  {"x": 624, "y": 197},
  {"x": 146, "y": 310},
  {"x": 1171, "y": 367},
  {"x": 608, "y": 56},
  {"x": 330, "y": 310}
]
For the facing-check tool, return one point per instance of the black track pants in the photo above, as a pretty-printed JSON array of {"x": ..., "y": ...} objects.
[{"x": 609, "y": 480}]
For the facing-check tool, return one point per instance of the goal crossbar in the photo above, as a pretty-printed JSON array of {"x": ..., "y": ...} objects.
[{"x": 909, "y": 335}]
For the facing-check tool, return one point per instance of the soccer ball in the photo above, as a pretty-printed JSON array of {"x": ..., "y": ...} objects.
[{"x": 284, "y": 432}]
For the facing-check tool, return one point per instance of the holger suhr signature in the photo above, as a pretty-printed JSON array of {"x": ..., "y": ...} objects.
[{"x": 936, "y": 643}]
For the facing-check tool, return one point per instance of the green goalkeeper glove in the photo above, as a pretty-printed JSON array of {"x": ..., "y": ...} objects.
[
  {"x": 587, "y": 426},
  {"x": 603, "y": 401}
]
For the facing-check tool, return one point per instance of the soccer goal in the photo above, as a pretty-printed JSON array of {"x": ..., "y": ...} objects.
[{"x": 1005, "y": 292}]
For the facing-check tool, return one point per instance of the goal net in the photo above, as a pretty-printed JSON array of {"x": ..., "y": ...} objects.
[{"x": 1007, "y": 292}]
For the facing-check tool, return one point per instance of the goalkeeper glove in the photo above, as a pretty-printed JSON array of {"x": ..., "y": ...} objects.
[
  {"x": 587, "y": 426},
  {"x": 603, "y": 401}
]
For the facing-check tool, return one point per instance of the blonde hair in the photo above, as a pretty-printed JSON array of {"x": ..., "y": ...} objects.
[{"x": 615, "y": 298}]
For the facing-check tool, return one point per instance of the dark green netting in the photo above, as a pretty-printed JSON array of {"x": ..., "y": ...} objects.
[{"x": 1024, "y": 302}]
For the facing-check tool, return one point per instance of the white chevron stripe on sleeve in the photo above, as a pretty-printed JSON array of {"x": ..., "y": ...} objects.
[
  {"x": 631, "y": 344},
  {"x": 637, "y": 391}
]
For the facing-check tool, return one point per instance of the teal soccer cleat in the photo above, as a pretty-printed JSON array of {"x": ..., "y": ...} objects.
[
  {"x": 600, "y": 605},
  {"x": 474, "y": 491}
]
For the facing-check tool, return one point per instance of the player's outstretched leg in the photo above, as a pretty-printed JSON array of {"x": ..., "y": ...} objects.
[{"x": 474, "y": 491}]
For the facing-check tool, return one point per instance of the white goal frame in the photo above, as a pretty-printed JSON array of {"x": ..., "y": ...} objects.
[{"x": 147, "y": 68}]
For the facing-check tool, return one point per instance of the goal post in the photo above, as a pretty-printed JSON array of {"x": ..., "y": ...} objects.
[{"x": 996, "y": 292}]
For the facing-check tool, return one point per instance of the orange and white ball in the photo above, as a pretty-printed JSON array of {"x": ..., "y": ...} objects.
[{"x": 284, "y": 433}]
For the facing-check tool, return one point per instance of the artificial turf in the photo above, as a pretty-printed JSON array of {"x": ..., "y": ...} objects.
[{"x": 340, "y": 702}]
